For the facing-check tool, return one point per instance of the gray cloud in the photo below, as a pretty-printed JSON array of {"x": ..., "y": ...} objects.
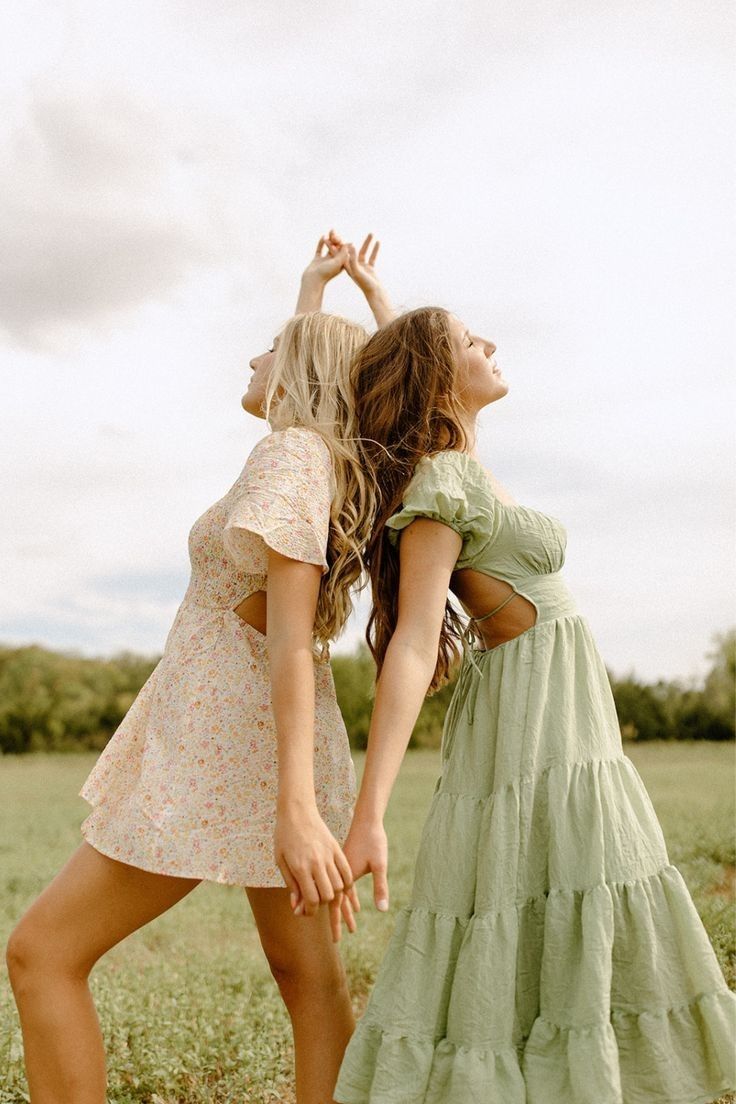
[{"x": 104, "y": 205}]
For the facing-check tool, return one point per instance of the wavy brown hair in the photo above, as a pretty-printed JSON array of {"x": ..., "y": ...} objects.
[
  {"x": 309, "y": 385},
  {"x": 404, "y": 383}
]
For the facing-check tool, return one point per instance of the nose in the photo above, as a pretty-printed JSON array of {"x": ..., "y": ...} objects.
[{"x": 491, "y": 348}]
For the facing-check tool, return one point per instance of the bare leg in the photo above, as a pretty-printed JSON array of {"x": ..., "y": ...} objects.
[
  {"x": 92, "y": 903},
  {"x": 310, "y": 975}
]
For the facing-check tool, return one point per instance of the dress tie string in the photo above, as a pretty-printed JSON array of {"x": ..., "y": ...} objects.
[{"x": 470, "y": 638}]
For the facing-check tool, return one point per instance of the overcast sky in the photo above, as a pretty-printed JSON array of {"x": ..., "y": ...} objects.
[{"x": 558, "y": 174}]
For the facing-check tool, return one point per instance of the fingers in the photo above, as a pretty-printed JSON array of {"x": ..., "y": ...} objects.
[
  {"x": 324, "y": 885},
  {"x": 335, "y": 918},
  {"x": 364, "y": 247},
  {"x": 341, "y": 909},
  {"x": 352, "y": 896},
  {"x": 351, "y": 260},
  {"x": 335, "y": 244},
  {"x": 343, "y": 870},
  {"x": 348, "y": 881},
  {"x": 347, "y": 914},
  {"x": 337, "y": 879},
  {"x": 291, "y": 882},
  {"x": 380, "y": 889},
  {"x": 310, "y": 893},
  {"x": 331, "y": 241}
]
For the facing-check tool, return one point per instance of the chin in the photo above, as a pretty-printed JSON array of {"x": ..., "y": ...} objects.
[
  {"x": 253, "y": 406},
  {"x": 499, "y": 391}
]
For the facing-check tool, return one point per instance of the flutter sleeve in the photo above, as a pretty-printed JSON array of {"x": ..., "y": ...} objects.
[
  {"x": 286, "y": 494},
  {"x": 444, "y": 489}
]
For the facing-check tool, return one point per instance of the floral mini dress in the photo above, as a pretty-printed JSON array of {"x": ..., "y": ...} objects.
[{"x": 187, "y": 785}]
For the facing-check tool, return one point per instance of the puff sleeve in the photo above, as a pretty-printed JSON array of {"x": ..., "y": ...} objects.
[
  {"x": 446, "y": 488},
  {"x": 285, "y": 498}
]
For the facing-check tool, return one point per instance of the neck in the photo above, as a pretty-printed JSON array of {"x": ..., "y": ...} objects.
[{"x": 469, "y": 424}]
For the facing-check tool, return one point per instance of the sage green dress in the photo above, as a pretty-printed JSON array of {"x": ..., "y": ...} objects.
[{"x": 550, "y": 952}]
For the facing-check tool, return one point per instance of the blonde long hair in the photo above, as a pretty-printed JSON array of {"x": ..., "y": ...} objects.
[{"x": 309, "y": 386}]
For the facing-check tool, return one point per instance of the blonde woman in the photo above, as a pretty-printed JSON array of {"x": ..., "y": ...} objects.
[{"x": 232, "y": 765}]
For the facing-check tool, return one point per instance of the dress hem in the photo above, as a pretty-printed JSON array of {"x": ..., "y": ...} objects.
[
  {"x": 219, "y": 879},
  {"x": 96, "y": 833},
  {"x": 448, "y": 1071}
]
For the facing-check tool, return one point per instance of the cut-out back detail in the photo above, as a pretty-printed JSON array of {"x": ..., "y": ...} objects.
[
  {"x": 524, "y": 615},
  {"x": 252, "y": 610}
]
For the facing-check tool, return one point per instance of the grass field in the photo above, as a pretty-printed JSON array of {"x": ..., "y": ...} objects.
[{"x": 188, "y": 1006}]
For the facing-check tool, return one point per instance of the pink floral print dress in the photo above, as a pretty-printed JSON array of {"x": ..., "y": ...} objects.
[{"x": 187, "y": 784}]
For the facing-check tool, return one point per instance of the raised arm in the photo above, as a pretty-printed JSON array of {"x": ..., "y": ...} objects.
[
  {"x": 360, "y": 266},
  {"x": 428, "y": 553},
  {"x": 327, "y": 262}
]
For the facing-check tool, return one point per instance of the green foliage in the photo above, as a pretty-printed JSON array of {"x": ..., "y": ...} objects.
[
  {"x": 719, "y": 692},
  {"x": 56, "y": 701},
  {"x": 641, "y": 713},
  {"x": 354, "y": 686},
  {"x": 188, "y": 1008},
  {"x": 671, "y": 711}
]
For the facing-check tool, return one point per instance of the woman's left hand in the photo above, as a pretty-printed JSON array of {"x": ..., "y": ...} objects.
[{"x": 360, "y": 266}]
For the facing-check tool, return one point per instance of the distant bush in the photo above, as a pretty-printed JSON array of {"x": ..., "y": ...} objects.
[
  {"x": 56, "y": 701},
  {"x": 672, "y": 711},
  {"x": 60, "y": 701}
]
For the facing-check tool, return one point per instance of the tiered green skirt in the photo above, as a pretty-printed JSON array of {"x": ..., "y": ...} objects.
[{"x": 550, "y": 953}]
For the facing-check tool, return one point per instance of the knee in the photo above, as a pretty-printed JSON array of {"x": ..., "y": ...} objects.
[
  {"x": 298, "y": 977},
  {"x": 20, "y": 957},
  {"x": 33, "y": 959}
]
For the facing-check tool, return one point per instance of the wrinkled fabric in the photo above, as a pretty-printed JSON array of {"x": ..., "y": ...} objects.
[
  {"x": 550, "y": 953},
  {"x": 187, "y": 785}
]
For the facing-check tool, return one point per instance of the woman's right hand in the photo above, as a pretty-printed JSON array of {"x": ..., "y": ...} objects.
[
  {"x": 366, "y": 849},
  {"x": 313, "y": 864}
]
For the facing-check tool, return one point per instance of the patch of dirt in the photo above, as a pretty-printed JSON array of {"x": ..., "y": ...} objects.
[{"x": 727, "y": 885}]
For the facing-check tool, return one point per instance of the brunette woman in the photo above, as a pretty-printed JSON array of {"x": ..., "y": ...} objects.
[{"x": 550, "y": 952}]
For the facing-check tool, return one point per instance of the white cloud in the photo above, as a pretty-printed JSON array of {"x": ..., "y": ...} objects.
[{"x": 557, "y": 176}]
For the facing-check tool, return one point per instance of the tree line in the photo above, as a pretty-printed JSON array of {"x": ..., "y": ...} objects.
[{"x": 61, "y": 701}]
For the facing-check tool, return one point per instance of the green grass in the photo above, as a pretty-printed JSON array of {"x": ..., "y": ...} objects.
[{"x": 188, "y": 1006}]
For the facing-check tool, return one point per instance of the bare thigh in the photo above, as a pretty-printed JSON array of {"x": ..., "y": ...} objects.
[{"x": 93, "y": 903}]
